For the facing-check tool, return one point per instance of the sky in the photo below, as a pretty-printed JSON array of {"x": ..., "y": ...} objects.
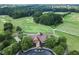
[{"x": 39, "y": 1}]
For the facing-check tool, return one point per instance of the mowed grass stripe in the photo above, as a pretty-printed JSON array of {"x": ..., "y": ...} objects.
[
  {"x": 70, "y": 26},
  {"x": 70, "y": 29},
  {"x": 72, "y": 41}
]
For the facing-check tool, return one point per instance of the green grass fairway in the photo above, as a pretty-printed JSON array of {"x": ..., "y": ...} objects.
[
  {"x": 72, "y": 40},
  {"x": 70, "y": 29},
  {"x": 71, "y": 24},
  {"x": 26, "y": 23}
]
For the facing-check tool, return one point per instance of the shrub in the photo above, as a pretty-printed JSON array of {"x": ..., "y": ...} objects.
[
  {"x": 62, "y": 42},
  {"x": 62, "y": 39},
  {"x": 18, "y": 28},
  {"x": 12, "y": 49},
  {"x": 74, "y": 52},
  {"x": 8, "y": 27},
  {"x": 7, "y": 50},
  {"x": 15, "y": 47},
  {"x": 1, "y": 46},
  {"x": 4, "y": 44},
  {"x": 26, "y": 43},
  {"x": 19, "y": 32},
  {"x": 50, "y": 42},
  {"x": 2, "y": 37},
  {"x": 59, "y": 50},
  {"x": 64, "y": 45}
]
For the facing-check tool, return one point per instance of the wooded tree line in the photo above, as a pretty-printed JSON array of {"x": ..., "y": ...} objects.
[
  {"x": 22, "y": 11},
  {"x": 16, "y": 12}
]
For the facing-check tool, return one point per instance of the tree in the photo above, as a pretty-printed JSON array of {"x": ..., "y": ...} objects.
[
  {"x": 62, "y": 41},
  {"x": 16, "y": 13},
  {"x": 49, "y": 19},
  {"x": 26, "y": 43},
  {"x": 5, "y": 36},
  {"x": 2, "y": 37},
  {"x": 1, "y": 45},
  {"x": 36, "y": 19},
  {"x": 18, "y": 28},
  {"x": 15, "y": 47},
  {"x": 7, "y": 51},
  {"x": 59, "y": 50},
  {"x": 57, "y": 19},
  {"x": 37, "y": 14},
  {"x": 8, "y": 27},
  {"x": 6, "y": 41},
  {"x": 72, "y": 9},
  {"x": 45, "y": 19},
  {"x": 11, "y": 49},
  {"x": 50, "y": 42},
  {"x": 19, "y": 31}
]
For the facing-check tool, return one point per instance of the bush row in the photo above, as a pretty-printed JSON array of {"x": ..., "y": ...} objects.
[
  {"x": 57, "y": 45},
  {"x": 13, "y": 48}
]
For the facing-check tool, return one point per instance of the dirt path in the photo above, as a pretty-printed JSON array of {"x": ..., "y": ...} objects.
[{"x": 17, "y": 39}]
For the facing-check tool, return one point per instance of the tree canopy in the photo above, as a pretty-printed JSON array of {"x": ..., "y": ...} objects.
[{"x": 49, "y": 19}]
